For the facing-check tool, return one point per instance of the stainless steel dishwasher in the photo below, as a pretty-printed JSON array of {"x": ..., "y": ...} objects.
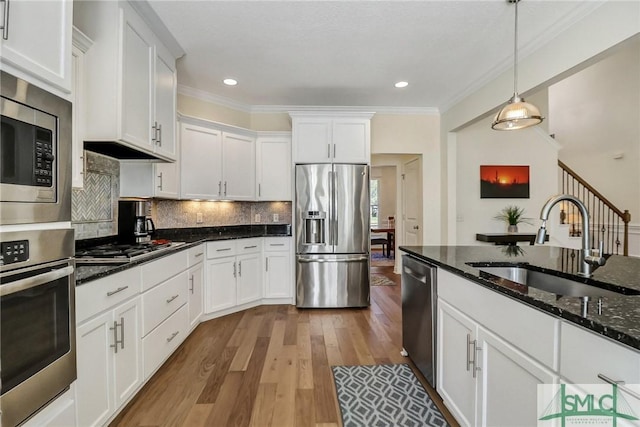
[{"x": 419, "y": 313}]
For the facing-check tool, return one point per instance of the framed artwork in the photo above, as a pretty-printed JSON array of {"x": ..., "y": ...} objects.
[{"x": 504, "y": 182}]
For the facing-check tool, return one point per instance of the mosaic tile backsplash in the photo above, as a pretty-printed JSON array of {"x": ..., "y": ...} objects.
[
  {"x": 183, "y": 213},
  {"x": 94, "y": 208}
]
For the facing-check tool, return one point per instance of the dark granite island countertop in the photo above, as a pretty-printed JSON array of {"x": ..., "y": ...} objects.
[
  {"x": 191, "y": 236},
  {"x": 620, "y": 317}
]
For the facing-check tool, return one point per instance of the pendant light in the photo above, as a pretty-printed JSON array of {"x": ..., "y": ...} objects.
[{"x": 517, "y": 114}]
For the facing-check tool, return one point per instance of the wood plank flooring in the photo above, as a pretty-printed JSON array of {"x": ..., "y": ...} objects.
[{"x": 270, "y": 366}]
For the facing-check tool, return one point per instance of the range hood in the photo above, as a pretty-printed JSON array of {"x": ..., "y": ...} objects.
[{"x": 119, "y": 150}]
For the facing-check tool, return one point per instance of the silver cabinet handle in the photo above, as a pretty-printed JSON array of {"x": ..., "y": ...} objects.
[
  {"x": 159, "y": 139},
  {"x": 5, "y": 20},
  {"x": 172, "y": 298},
  {"x": 620, "y": 385},
  {"x": 154, "y": 128},
  {"x": 173, "y": 335},
  {"x": 334, "y": 150},
  {"x": 223, "y": 249},
  {"x": 122, "y": 333},
  {"x": 234, "y": 270},
  {"x": 115, "y": 335},
  {"x": 276, "y": 244},
  {"x": 468, "y": 351},
  {"x": 259, "y": 190},
  {"x": 199, "y": 254},
  {"x": 225, "y": 188},
  {"x": 240, "y": 268},
  {"x": 219, "y": 188},
  {"x": 328, "y": 151},
  {"x": 191, "y": 281},
  {"x": 120, "y": 289},
  {"x": 476, "y": 350},
  {"x": 266, "y": 264},
  {"x": 160, "y": 178},
  {"x": 251, "y": 247}
]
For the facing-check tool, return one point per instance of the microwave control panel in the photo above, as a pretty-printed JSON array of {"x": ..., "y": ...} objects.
[
  {"x": 16, "y": 251},
  {"x": 44, "y": 158}
]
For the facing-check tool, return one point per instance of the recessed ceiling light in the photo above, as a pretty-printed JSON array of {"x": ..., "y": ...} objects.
[
  {"x": 401, "y": 84},
  {"x": 230, "y": 82}
]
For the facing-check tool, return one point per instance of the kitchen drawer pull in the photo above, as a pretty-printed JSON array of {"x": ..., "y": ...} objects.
[
  {"x": 223, "y": 249},
  {"x": 173, "y": 335},
  {"x": 120, "y": 289},
  {"x": 251, "y": 247},
  {"x": 620, "y": 385},
  {"x": 276, "y": 244},
  {"x": 172, "y": 298},
  {"x": 5, "y": 20},
  {"x": 199, "y": 255}
]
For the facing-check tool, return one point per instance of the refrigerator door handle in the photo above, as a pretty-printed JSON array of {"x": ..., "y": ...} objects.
[
  {"x": 323, "y": 260},
  {"x": 334, "y": 214}
]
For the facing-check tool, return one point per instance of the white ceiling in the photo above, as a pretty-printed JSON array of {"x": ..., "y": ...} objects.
[{"x": 350, "y": 53}]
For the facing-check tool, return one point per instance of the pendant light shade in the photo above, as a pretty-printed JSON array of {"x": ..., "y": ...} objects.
[{"x": 516, "y": 114}]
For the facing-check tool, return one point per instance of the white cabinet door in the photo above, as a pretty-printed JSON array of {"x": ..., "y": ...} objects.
[
  {"x": 277, "y": 275},
  {"x": 196, "y": 276},
  {"x": 165, "y": 103},
  {"x": 456, "y": 378},
  {"x": 239, "y": 167},
  {"x": 137, "y": 72},
  {"x": 221, "y": 284},
  {"x": 249, "y": 279},
  {"x": 94, "y": 398},
  {"x": 507, "y": 385},
  {"x": 37, "y": 40},
  {"x": 127, "y": 357},
  {"x": 312, "y": 140},
  {"x": 167, "y": 180},
  {"x": 81, "y": 43},
  {"x": 350, "y": 141},
  {"x": 273, "y": 168},
  {"x": 201, "y": 162}
]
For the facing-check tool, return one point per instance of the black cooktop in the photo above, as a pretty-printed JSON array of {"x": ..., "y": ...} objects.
[{"x": 115, "y": 253}]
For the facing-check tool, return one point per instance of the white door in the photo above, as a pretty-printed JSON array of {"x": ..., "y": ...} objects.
[
  {"x": 221, "y": 284},
  {"x": 128, "y": 356},
  {"x": 165, "y": 104},
  {"x": 94, "y": 387},
  {"x": 507, "y": 386},
  {"x": 196, "y": 274},
  {"x": 350, "y": 141},
  {"x": 137, "y": 82},
  {"x": 167, "y": 179},
  {"x": 238, "y": 167},
  {"x": 249, "y": 278},
  {"x": 455, "y": 378},
  {"x": 412, "y": 203},
  {"x": 312, "y": 140},
  {"x": 273, "y": 167},
  {"x": 277, "y": 275},
  {"x": 200, "y": 162}
]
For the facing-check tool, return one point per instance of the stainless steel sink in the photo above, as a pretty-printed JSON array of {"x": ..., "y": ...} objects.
[{"x": 550, "y": 283}]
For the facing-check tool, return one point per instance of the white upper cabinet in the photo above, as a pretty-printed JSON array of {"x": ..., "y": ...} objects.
[
  {"x": 238, "y": 166},
  {"x": 200, "y": 160},
  {"x": 81, "y": 44},
  {"x": 130, "y": 80},
  {"x": 273, "y": 167},
  {"x": 322, "y": 138},
  {"x": 36, "y": 42}
]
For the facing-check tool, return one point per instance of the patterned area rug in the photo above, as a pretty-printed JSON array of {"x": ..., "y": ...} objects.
[
  {"x": 379, "y": 260},
  {"x": 384, "y": 395},
  {"x": 381, "y": 280}
]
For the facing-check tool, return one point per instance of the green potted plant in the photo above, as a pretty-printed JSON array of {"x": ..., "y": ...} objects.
[{"x": 512, "y": 215}]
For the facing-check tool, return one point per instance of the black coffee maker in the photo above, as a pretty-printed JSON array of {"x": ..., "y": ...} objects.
[{"x": 134, "y": 222}]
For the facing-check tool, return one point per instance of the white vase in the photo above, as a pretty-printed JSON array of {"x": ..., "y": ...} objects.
[{"x": 512, "y": 229}]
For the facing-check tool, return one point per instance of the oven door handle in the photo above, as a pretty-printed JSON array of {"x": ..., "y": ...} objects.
[{"x": 31, "y": 282}]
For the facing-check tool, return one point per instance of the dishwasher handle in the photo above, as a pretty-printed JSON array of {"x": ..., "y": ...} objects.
[{"x": 414, "y": 275}]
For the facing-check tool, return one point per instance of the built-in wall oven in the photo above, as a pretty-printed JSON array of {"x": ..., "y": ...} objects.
[
  {"x": 37, "y": 320},
  {"x": 35, "y": 154}
]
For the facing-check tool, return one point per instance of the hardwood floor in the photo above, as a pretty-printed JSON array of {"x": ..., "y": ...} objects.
[{"x": 270, "y": 365}]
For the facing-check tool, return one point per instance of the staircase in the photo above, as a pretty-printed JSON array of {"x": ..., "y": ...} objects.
[{"x": 608, "y": 223}]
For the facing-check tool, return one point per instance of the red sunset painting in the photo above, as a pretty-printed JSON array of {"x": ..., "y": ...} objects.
[{"x": 504, "y": 182}]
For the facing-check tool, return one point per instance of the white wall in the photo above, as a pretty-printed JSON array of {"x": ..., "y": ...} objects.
[{"x": 479, "y": 145}]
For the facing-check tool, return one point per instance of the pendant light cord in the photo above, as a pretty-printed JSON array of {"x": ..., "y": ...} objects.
[{"x": 515, "y": 53}]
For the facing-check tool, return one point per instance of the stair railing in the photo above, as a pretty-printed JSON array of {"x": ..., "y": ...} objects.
[{"x": 609, "y": 224}]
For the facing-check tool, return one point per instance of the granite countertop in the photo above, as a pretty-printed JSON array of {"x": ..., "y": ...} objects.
[
  {"x": 620, "y": 317},
  {"x": 190, "y": 236}
]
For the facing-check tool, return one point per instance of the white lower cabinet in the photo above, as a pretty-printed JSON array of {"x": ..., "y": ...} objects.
[
  {"x": 108, "y": 362},
  {"x": 249, "y": 279},
  {"x": 221, "y": 284},
  {"x": 196, "y": 283},
  {"x": 278, "y": 281},
  {"x": 162, "y": 342}
]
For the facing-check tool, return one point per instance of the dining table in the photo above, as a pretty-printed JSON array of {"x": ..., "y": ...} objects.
[{"x": 391, "y": 231}]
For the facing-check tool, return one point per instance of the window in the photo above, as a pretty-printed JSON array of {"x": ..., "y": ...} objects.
[{"x": 374, "y": 201}]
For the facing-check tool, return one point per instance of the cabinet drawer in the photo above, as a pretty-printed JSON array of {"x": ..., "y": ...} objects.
[
  {"x": 530, "y": 330},
  {"x": 160, "y": 343},
  {"x": 277, "y": 244},
  {"x": 156, "y": 272},
  {"x": 160, "y": 302},
  {"x": 221, "y": 249},
  {"x": 585, "y": 354},
  {"x": 249, "y": 246},
  {"x": 196, "y": 255},
  {"x": 98, "y": 295}
]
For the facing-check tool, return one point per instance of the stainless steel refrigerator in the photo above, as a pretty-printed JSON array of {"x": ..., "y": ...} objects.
[{"x": 332, "y": 235}]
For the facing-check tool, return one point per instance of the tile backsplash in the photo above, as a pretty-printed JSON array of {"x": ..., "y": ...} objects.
[
  {"x": 185, "y": 213},
  {"x": 94, "y": 208}
]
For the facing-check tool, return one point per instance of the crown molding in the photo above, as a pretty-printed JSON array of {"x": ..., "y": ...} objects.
[{"x": 235, "y": 105}]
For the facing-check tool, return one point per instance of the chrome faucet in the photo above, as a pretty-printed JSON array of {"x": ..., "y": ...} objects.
[{"x": 589, "y": 259}]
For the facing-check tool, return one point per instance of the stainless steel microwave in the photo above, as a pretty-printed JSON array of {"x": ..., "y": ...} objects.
[{"x": 35, "y": 154}]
